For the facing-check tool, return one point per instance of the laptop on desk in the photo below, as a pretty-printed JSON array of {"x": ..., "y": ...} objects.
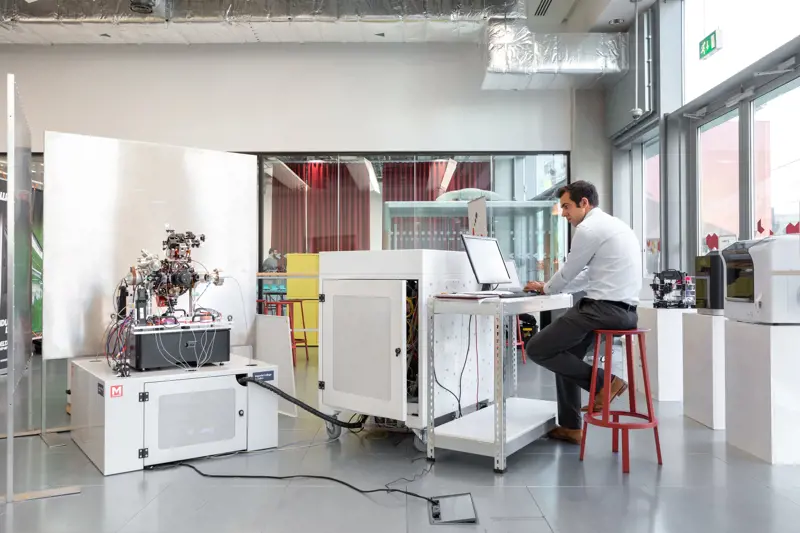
[{"x": 491, "y": 270}]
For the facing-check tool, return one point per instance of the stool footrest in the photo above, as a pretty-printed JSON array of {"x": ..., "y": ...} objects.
[{"x": 592, "y": 419}]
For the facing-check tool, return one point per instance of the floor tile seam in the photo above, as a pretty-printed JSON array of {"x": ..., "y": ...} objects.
[{"x": 146, "y": 505}]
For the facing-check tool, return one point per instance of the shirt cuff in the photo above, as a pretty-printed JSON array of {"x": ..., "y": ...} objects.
[{"x": 548, "y": 287}]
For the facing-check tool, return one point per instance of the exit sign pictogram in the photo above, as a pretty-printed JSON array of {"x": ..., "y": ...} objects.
[{"x": 709, "y": 44}]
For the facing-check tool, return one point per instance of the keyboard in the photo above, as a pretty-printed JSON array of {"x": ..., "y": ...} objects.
[
  {"x": 501, "y": 294},
  {"x": 518, "y": 294}
]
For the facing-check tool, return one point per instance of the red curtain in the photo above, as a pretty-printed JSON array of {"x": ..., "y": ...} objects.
[
  {"x": 354, "y": 219},
  {"x": 336, "y": 216},
  {"x": 288, "y": 219},
  {"x": 334, "y": 212}
]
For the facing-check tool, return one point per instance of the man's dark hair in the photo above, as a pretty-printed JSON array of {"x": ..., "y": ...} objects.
[{"x": 579, "y": 190}]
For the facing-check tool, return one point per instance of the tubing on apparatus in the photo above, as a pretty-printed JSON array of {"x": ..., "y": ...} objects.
[{"x": 272, "y": 388}]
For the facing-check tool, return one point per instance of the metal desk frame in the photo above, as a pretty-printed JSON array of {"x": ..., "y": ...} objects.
[{"x": 504, "y": 311}]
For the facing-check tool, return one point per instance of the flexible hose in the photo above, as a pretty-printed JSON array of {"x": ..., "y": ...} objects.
[{"x": 272, "y": 388}]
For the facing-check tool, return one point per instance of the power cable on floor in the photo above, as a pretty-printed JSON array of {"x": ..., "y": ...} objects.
[{"x": 385, "y": 490}]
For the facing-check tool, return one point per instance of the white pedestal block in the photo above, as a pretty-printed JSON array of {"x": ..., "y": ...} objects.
[
  {"x": 664, "y": 352},
  {"x": 704, "y": 369},
  {"x": 762, "y": 406}
]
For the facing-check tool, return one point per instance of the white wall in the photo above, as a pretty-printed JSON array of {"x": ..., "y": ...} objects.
[
  {"x": 591, "y": 149},
  {"x": 283, "y": 98},
  {"x": 748, "y": 32}
]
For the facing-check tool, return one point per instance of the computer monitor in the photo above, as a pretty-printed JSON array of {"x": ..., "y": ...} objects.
[{"x": 486, "y": 260}]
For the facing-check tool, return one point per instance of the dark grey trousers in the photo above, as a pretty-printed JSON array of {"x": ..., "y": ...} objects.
[{"x": 561, "y": 347}]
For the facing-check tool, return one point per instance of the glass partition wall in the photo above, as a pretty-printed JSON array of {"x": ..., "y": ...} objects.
[{"x": 370, "y": 202}]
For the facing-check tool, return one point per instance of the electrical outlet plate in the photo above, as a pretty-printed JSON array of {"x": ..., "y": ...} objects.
[{"x": 453, "y": 509}]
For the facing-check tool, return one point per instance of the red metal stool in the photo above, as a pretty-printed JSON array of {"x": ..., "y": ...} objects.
[{"x": 603, "y": 420}]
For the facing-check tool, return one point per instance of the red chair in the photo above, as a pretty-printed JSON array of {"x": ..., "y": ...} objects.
[
  {"x": 278, "y": 306},
  {"x": 520, "y": 342},
  {"x": 608, "y": 418}
]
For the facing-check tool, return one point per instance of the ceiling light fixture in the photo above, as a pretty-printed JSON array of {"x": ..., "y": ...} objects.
[{"x": 616, "y": 22}]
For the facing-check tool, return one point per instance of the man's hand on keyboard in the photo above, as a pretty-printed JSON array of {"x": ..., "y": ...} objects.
[{"x": 534, "y": 286}]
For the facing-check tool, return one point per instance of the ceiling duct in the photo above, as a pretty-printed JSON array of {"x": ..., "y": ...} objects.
[
  {"x": 518, "y": 59},
  {"x": 236, "y": 21}
]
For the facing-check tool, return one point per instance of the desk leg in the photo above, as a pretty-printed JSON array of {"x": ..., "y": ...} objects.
[
  {"x": 499, "y": 394},
  {"x": 512, "y": 348},
  {"x": 430, "y": 352}
]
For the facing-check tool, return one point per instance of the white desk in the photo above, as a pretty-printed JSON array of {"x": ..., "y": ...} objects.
[{"x": 511, "y": 423}]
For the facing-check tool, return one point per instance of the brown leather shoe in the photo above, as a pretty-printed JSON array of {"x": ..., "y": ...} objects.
[
  {"x": 573, "y": 436},
  {"x": 617, "y": 385}
]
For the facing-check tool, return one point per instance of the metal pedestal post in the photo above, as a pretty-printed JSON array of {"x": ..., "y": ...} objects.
[
  {"x": 500, "y": 322},
  {"x": 431, "y": 378}
]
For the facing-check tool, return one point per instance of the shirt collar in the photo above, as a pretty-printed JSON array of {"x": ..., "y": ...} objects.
[{"x": 590, "y": 213}]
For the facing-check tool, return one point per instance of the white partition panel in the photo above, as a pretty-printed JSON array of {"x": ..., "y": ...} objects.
[
  {"x": 108, "y": 199},
  {"x": 18, "y": 263}
]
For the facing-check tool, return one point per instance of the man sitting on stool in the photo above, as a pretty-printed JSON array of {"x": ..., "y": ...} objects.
[{"x": 605, "y": 259}]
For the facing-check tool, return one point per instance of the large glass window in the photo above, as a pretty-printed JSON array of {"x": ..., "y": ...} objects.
[
  {"x": 718, "y": 178},
  {"x": 373, "y": 202},
  {"x": 776, "y": 160},
  {"x": 651, "y": 215}
]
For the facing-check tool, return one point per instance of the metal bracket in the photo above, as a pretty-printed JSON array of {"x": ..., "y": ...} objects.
[
  {"x": 322, "y": 298},
  {"x": 144, "y": 396},
  {"x": 143, "y": 453},
  {"x": 321, "y": 385}
]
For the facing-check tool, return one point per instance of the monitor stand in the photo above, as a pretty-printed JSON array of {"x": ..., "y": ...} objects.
[{"x": 486, "y": 287}]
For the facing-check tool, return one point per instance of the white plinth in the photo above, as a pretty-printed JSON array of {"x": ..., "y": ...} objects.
[
  {"x": 762, "y": 407},
  {"x": 704, "y": 369},
  {"x": 526, "y": 421},
  {"x": 664, "y": 352}
]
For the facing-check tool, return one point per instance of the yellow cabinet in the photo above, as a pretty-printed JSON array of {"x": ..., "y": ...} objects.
[{"x": 305, "y": 289}]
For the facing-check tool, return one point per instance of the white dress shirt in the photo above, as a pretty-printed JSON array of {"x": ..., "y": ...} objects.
[{"x": 605, "y": 261}]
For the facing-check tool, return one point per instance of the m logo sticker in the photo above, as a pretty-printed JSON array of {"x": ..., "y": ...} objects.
[{"x": 116, "y": 391}]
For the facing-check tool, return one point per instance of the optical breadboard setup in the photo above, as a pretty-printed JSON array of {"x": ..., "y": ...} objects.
[{"x": 149, "y": 330}]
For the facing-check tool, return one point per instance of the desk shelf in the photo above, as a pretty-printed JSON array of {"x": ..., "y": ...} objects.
[{"x": 526, "y": 421}]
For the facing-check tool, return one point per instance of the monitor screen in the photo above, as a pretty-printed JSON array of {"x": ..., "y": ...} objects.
[{"x": 486, "y": 260}]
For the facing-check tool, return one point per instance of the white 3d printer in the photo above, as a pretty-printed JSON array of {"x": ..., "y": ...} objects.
[{"x": 763, "y": 280}]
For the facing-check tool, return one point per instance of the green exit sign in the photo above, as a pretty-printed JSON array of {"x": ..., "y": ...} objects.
[{"x": 709, "y": 44}]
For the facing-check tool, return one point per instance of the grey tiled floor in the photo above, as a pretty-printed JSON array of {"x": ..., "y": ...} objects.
[{"x": 703, "y": 486}]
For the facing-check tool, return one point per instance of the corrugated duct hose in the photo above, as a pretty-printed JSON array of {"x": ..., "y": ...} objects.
[{"x": 272, "y": 388}]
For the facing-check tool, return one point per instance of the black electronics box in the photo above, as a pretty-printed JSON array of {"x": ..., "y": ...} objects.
[
  {"x": 710, "y": 281},
  {"x": 179, "y": 348}
]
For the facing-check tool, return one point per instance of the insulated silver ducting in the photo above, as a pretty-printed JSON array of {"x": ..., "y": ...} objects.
[
  {"x": 236, "y": 21},
  {"x": 518, "y": 59},
  {"x": 258, "y": 10}
]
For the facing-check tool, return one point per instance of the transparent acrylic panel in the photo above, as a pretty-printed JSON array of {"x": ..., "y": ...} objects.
[{"x": 529, "y": 228}]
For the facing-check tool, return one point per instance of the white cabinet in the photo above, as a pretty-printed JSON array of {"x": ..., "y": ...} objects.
[
  {"x": 191, "y": 418},
  {"x": 363, "y": 346}
]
